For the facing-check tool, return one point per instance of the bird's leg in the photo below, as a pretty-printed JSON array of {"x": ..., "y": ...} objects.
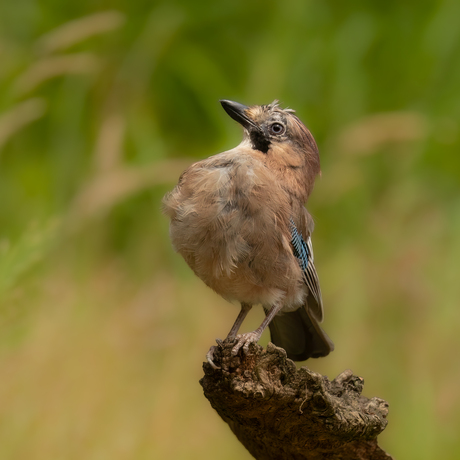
[
  {"x": 245, "y": 307},
  {"x": 244, "y": 340},
  {"x": 231, "y": 335}
]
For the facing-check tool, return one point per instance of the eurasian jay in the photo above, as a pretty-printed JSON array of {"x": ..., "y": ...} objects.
[{"x": 239, "y": 221}]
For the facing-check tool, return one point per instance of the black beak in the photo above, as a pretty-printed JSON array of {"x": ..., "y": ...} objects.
[{"x": 238, "y": 112}]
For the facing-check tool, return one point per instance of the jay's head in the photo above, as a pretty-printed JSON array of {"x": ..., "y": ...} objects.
[{"x": 276, "y": 132}]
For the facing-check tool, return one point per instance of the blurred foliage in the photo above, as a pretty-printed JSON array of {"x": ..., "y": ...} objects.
[{"x": 103, "y": 104}]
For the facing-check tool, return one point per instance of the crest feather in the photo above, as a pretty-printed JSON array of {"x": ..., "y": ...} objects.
[{"x": 275, "y": 105}]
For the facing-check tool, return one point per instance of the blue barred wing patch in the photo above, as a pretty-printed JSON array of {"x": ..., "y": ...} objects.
[
  {"x": 299, "y": 247},
  {"x": 303, "y": 251}
]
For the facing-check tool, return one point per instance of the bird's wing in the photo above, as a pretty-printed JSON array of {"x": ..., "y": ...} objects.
[{"x": 304, "y": 253}]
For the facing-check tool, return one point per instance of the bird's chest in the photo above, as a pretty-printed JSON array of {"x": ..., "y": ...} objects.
[{"x": 232, "y": 221}]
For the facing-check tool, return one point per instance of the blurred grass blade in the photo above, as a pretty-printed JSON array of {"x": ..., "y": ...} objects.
[
  {"x": 108, "y": 189},
  {"x": 51, "y": 67},
  {"x": 370, "y": 133},
  {"x": 108, "y": 152},
  {"x": 17, "y": 258},
  {"x": 78, "y": 30},
  {"x": 19, "y": 116}
]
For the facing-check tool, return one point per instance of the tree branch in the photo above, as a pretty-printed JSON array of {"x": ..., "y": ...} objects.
[{"x": 280, "y": 412}]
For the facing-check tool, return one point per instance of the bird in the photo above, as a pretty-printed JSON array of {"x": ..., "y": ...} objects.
[{"x": 239, "y": 220}]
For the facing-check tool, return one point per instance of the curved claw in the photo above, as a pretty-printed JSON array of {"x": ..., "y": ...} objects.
[
  {"x": 244, "y": 340},
  {"x": 210, "y": 357},
  {"x": 210, "y": 354}
]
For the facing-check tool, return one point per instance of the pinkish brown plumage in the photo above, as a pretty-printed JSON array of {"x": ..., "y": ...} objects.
[{"x": 238, "y": 219}]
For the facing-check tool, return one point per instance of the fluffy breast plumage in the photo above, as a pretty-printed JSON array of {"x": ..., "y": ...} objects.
[{"x": 230, "y": 222}]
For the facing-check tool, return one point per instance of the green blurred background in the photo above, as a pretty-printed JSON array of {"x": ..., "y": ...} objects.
[{"x": 103, "y": 328}]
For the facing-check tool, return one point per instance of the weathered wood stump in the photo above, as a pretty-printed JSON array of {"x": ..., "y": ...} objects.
[{"x": 280, "y": 412}]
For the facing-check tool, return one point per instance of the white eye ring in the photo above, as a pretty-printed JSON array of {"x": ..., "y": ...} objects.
[{"x": 277, "y": 129}]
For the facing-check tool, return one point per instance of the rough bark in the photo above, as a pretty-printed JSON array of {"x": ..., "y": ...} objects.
[{"x": 280, "y": 412}]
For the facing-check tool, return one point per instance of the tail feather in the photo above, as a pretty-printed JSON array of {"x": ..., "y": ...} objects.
[{"x": 300, "y": 334}]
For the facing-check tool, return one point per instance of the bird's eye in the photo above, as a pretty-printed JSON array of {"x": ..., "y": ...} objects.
[{"x": 277, "y": 128}]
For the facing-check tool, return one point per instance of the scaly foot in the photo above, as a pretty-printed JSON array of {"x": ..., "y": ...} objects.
[{"x": 244, "y": 340}]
